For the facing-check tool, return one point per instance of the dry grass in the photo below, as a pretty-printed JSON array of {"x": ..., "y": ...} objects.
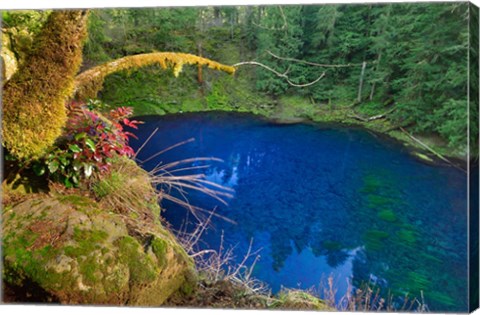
[
  {"x": 127, "y": 190},
  {"x": 175, "y": 188},
  {"x": 215, "y": 265},
  {"x": 368, "y": 298}
]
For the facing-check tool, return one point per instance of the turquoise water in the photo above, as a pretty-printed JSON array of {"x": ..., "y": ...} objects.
[{"x": 324, "y": 200}]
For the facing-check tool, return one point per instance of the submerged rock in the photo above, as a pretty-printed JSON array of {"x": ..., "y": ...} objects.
[{"x": 81, "y": 254}]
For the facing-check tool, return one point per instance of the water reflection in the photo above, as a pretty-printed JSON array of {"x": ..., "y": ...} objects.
[{"x": 323, "y": 202}]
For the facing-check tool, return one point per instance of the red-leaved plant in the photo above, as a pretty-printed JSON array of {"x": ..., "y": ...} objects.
[{"x": 89, "y": 143}]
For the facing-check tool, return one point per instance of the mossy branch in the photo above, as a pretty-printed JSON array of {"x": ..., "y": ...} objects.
[{"x": 90, "y": 82}]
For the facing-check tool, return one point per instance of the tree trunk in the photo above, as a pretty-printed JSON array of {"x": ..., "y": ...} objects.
[
  {"x": 360, "y": 84},
  {"x": 34, "y": 98},
  {"x": 372, "y": 91},
  {"x": 200, "y": 71}
]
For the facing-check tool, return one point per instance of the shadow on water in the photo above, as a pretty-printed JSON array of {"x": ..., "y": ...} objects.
[{"x": 324, "y": 201}]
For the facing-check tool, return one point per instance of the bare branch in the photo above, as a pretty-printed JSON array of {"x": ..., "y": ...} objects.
[
  {"x": 281, "y": 75},
  {"x": 307, "y": 84},
  {"x": 316, "y": 64},
  {"x": 255, "y": 63}
]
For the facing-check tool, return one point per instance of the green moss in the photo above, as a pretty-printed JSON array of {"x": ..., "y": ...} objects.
[
  {"x": 141, "y": 266},
  {"x": 91, "y": 236},
  {"x": 34, "y": 98},
  {"x": 90, "y": 82},
  {"x": 299, "y": 300},
  {"x": 109, "y": 184},
  {"x": 387, "y": 215},
  {"x": 155, "y": 208},
  {"x": 10, "y": 216},
  {"x": 25, "y": 263},
  {"x": 295, "y": 106},
  {"x": 76, "y": 200},
  {"x": 159, "y": 248},
  {"x": 187, "y": 288},
  {"x": 88, "y": 241}
]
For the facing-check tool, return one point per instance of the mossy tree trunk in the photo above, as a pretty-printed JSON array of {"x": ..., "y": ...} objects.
[{"x": 34, "y": 98}]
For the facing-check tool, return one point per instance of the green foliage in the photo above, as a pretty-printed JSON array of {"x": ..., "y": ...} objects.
[
  {"x": 32, "y": 20},
  {"x": 414, "y": 64},
  {"x": 88, "y": 145},
  {"x": 281, "y": 33},
  {"x": 217, "y": 99},
  {"x": 151, "y": 90},
  {"x": 474, "y": 85}
]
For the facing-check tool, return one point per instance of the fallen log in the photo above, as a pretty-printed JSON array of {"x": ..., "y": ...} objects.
[
  {"x": 371, "y": 118},
  {"x": 441, "y": 157}
]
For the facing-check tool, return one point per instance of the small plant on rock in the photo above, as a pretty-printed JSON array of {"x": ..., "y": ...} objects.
[{"x": 88, "y": 144}]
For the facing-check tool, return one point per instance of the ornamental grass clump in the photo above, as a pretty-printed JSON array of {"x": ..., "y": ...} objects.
[{"x": 126, "y": 189}]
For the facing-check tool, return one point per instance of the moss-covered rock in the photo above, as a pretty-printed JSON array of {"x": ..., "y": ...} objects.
[
  {"x": 300, "y": 300},
  {"x": 9, "y": 61},
  {"x": 80, "y": 254}
]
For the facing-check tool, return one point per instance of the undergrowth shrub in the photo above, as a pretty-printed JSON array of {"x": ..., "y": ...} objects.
[{"x": 89, "y": 143}]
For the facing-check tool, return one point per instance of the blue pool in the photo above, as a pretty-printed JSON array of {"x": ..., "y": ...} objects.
[{"x": 321, "y": 201}]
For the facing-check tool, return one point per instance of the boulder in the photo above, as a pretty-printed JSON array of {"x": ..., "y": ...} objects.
[{"x": 79, "y": 253}]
